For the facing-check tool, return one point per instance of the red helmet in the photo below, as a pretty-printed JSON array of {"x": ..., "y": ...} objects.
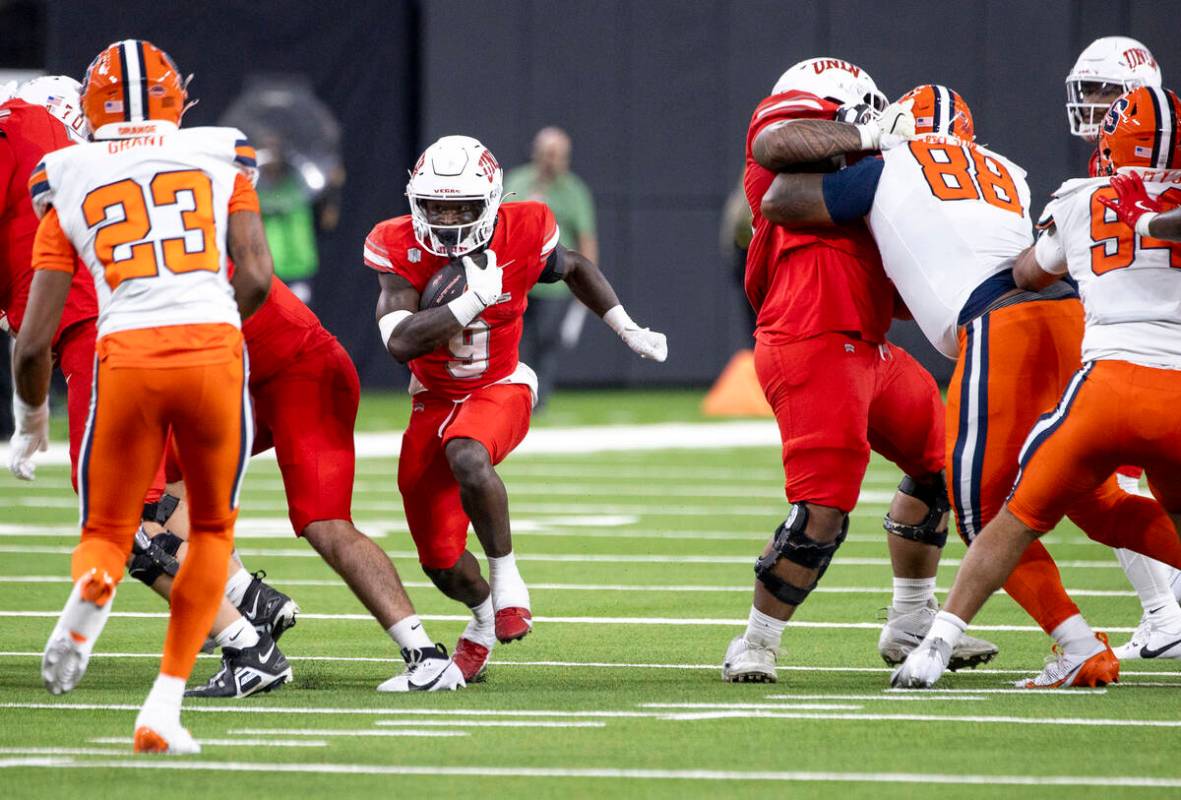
[
  {"x": 938, "y": 109},
  {"x": 1140, "y": 130},
  {"x": 133, "y": 81}
]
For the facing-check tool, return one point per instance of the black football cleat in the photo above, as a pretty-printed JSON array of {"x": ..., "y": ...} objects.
[
  {"x": 267, "y": 609},
  {"x": 246, "y": 671}
]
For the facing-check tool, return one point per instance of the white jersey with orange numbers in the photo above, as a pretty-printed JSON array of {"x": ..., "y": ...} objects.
[
  {"x": 1130, "y": 284},
  {"x": 146, "y": 206},
  {"x": 947, "y": 215}
]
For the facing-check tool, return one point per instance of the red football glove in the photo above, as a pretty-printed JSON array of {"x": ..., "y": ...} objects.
[{"x": 1131, "y": 201}]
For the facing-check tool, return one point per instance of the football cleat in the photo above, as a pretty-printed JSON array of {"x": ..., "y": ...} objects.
[
  {"x": 513, "y": 623},
  {"x": 267, "y": 609},
  {"x": 247, "y": 671},
  {"x": 924, "y": 666},
  {"x": 1098, "y": 669},
  {"x": 749, "y": 663},
  {"x": 902, "y": 633},
  {"x": 1149, "y": 642},
  {"x": 427, "y": 670},
  {"x": 154, "y": 733},
  {"x": 67, "y": 652},
  {"x": 472, "y": 659}
]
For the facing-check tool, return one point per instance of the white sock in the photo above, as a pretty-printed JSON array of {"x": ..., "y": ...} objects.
[
  {"x": 1075, "y": 637},
  {"x": 911, "y": 594},
  {"x": 482, "y": 627},
  {"x": 409, "y": 633},
  {"x": 239, "y": 634},
  {"x": 237, "y": 584},
  {"x": 764, "y": 630},
  {"x": 1152, "y": 581},
  {"x": 508, "y": 588},
  {"x": 83, "y": 619},
  {"x": 948, "y": 627},
  {"x": 1128, "y": 483},
  {"x": 164, "y": 699}
]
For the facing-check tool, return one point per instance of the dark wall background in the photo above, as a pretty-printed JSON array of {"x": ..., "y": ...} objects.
[{"x": 655, "y": 94}]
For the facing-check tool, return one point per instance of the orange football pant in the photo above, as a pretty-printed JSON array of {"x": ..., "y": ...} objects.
[
  {"x": 1012, "y": 366},
  {"x": 1111, "y": 413},
  {"x": 192, "y": 379}
]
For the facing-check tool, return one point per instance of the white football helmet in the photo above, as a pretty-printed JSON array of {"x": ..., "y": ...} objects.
[
  {"x": 832, "y": 79},
  {"x": 457, "y": 169},
  {"x": 1105, "y": 70},
  {"x": 62, "y": 97}
]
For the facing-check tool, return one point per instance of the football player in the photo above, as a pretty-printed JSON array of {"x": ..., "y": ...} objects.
[
  {"x": 949, "y": 218},
  {"x": 1120, "y": 407},
  {"x": 293, "y": 356},
  {"x": 471, "y": 395},
  {"x": 153, "y": 211},
  {"x": 837, "y": 387},
  {"x": 1106, "y": 69}
]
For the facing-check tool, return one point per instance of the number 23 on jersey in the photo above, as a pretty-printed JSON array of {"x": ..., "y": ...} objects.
[{"x": 125, "y": 213}]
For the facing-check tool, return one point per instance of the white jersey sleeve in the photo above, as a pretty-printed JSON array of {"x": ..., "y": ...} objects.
[
  {"x": 1130, "y": 284},
  {"x": 148, "y": 215},
  {"x": 947, "y": 215}
]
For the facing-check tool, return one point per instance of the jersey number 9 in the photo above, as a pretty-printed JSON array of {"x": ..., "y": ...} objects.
[
  {"x": 122, "y": 213},
  {"x": 1114, "y": 242}
]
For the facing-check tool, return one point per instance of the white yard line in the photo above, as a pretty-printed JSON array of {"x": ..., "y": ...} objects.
[
  {"x": 674, "y": 621},
  {"x": 473, "y": 723},
  {"x": 226, "y": 742},
  {"x": 959, "y": 719},
  {"x": 577, "y": 773}
]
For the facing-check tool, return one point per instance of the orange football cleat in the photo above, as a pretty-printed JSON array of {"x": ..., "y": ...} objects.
[{"x": 1098, "y": 669}]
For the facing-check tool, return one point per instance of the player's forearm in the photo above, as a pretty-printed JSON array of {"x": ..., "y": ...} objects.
[
  {"x": 31, "y": 370},
  {"x": 805, "y": 141},
  {"x": 1166, "y": 226},
  {"x": 253, "y": 266},
  {"x": 796, "y": 200},
  {"x": 588, "y": 284},
  {"x": 422, "y": 332}
]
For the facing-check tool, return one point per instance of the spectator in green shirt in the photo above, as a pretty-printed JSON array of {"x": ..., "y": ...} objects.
[
  {"x": 288, "y": 218},
  {"x": 554, "y": 319}
]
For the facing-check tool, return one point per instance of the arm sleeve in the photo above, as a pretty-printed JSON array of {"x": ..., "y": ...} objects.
[
  {"x": 848, "y": 193},
  {"x": 244, "y": 198},
  {"x": 245, "y": 159},
  {"x": 550, "y": 233},
  {"x": 555, "y": 266},
  {"x": 40, "y": 192},
  {"x": 375, "y": 254},
  {"x": 52, "y": 248}
]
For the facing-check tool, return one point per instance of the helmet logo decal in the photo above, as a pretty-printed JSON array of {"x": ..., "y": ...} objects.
[
  {"x": 1137, "y": 56},
  {"x": 1113, "y": 114},
  {"x": 822, "y": 64}
]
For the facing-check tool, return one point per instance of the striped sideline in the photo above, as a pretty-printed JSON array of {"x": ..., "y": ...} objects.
[{"x": 609, "y": 773}]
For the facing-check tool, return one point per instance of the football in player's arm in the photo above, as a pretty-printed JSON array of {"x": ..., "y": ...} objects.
[{"x": 410, "y": 333}]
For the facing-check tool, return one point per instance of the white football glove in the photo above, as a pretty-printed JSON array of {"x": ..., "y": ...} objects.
[
  {"x": 644, "y": 342},
  {"x": 484, "y": 285},
  {"x": 32, "y": 436},
  {"x": 893, "y": 126},
  {"x": 484, "y": 282}
]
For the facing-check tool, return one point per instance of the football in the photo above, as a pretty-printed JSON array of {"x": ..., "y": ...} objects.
[{"x": 444, "y": 286}]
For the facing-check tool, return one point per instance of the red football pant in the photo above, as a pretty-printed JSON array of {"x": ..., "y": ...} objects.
[
  {"x": 836, "y": 398},
  {"x": 497, "y": 417}
]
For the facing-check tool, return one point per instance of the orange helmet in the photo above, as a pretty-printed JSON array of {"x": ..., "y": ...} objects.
[
  {"x": 132, "y": 81},
  {"x": 1140, "y": 130},
  {"x": 938, "y": 109}
]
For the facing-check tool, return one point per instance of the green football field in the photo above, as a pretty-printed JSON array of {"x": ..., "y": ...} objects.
[{"x": 637, "y": 538}]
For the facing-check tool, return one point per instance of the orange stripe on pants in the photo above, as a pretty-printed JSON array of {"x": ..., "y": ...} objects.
[{"x": 191, "y": 379}]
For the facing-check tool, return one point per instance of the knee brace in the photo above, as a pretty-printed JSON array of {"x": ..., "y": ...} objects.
[
  {"x": 159, "y": 511},
  {"x": 935, "y": 498},
  {"x": 797, "y": 547},
  {"x": 154, "y": 556}
]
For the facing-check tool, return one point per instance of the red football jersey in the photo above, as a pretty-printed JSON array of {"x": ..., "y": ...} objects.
[
  {"x": 484, "y": 352},
  {"x": 1093, "y": 164},
  {"x": 804, "y": 282},
  {"x": 278, "y": 331},
  {"x": 27, "y": 133}
]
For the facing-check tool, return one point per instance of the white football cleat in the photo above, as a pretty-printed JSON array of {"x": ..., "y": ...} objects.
[
  {"x": 155, "y": 732},
  {"x": 429, "y": 669},
  {"x": 749, "y": 663},
  {"x": 67, "y": 652},
  {"x": 1099, "y": 668},
  {"x": 924, "y": 666},
  {"x": 1150, "y": 642},
  {"x": 902, "y": 633}
]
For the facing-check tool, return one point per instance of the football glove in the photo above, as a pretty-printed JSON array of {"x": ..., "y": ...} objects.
[
  {"x": 644, "y": 342},
  {"x": 484, "y": 285},
  {"x": 856, "y": 113},
  {"x": 1132, "y": 204},
  {"x": 892, "y": 127},
  {"x": 32, "y": 436}
]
